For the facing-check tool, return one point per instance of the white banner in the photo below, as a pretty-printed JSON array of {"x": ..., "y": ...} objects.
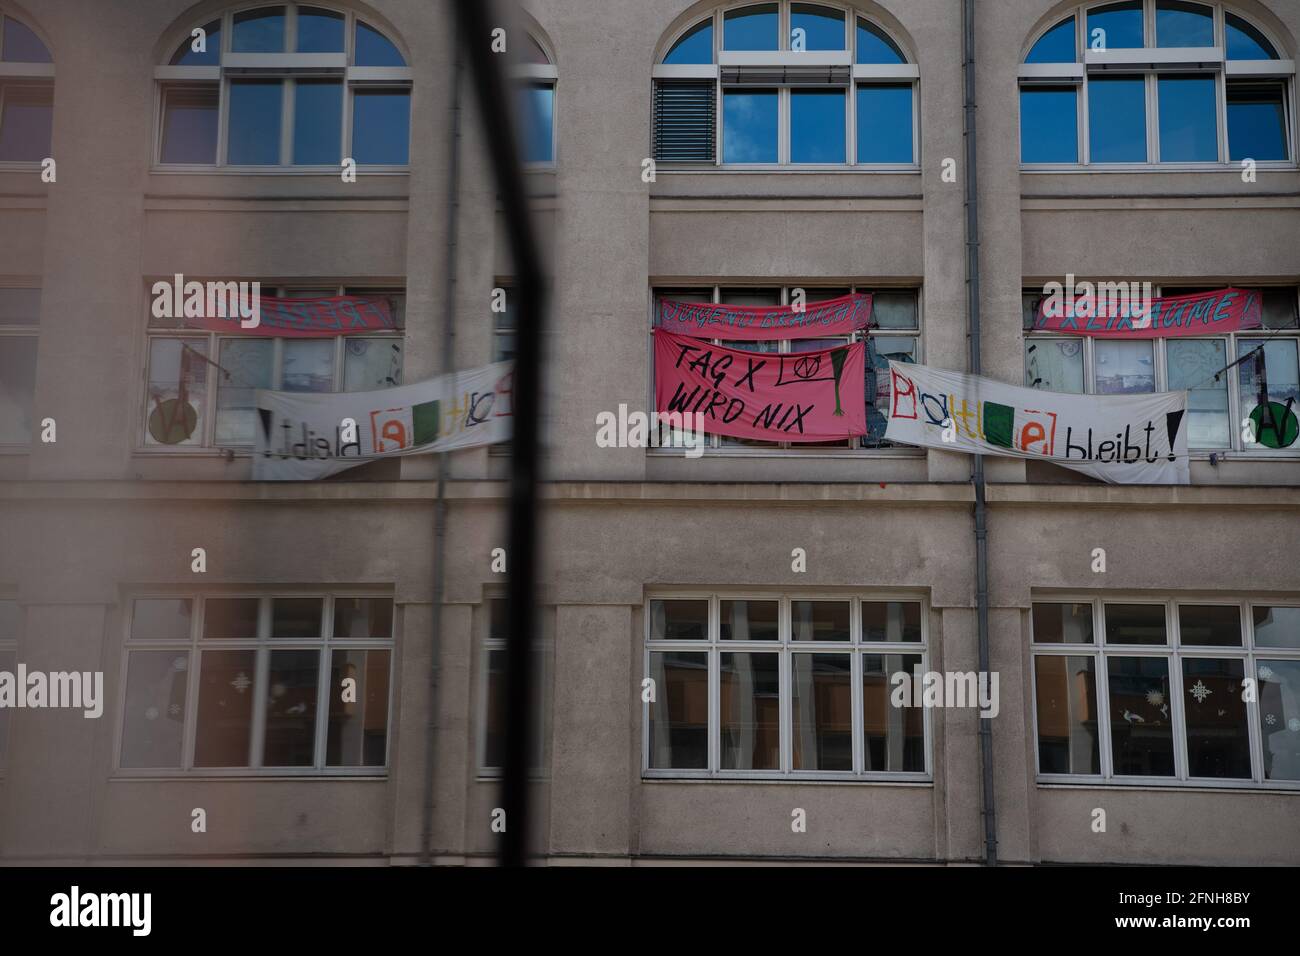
[
  {"x": 1124, "y": 439},
  {"x": 301, "y": 435}
]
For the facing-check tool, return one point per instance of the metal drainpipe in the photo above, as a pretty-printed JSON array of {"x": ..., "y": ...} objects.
[
  {"x": 977, "y": 461},
  {"x": 444, "y": 461}
]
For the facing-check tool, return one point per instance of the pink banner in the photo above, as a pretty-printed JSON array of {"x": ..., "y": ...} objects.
[
  {"x": 306, "y": 318},
  {"x": 1104, "y": 313},
  {"x": 798, "y": 397},
  {"x": 706, "y": 320}
]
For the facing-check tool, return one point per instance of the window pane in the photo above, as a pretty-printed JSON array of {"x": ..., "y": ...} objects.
[
  {"x": 7, "y": 663},
  {"x": 1066, "y": 690},
  {"x": 893, "y": 737},
  {"x": 823, "y": 27},
  {"x": 358, "y": 728},
  {"x": 819, "y": 620},
  {"x": 817, "y": 126},
  {"x": 1256, "y": 120},
  {"x": 296, "y": 617},
  {"x": 254, "y": 125},
  {"x": 679, "y": 714},
  {"x": 308, "y": 365},
  {"x": 319, "y": 31},
  {"x": 695, "y": 46},
  {"x": 225, "y": 720},
  {"x": 751, "y": 28},
  {"x": 893, "y": 310},
  {"x": 22, "y": 45},
  {"x": 249, "y": 364},
  {"x": 1209, "y": 625},
  {"x": 749, "y": 126},
  {"x": 1281, "y": 374},
  {"x": 1189, "y": 121},
  {"x": 1055, "y": 365},
  {"x": 371, "y": 363},
  {"x": 1276, "y": 626},
  {"x": 26, "y": 123},
  {"x": 494, "y": 733},
  {"x": 317, "y": 122},
  {"x": 153, "y": 714},
  {"x": 375, "y": 49},
  {"x": 17, "y": 387},
  {"x": 891, "y": 621},
  {"x": 162, "y": 619},
  {"x": 259, "y": 31},
  {"x": 1056, "y": 45},
  {"x": 1279, "y": 709},
  {"x": 1141, "y": 733},
  {"x": 750, "y": 710},
  {"x": 381, "y": 127},
  {"x": 1184, "y": 24},
  {"x": 875, "y": 45},
  {"x": 885, "y": 123},
  {"x": 1218, "y": 738},
  {"x": 537, "y": 115},
  {"x": 363, "y": 618},
  {"x": 1135, "y": 624},
  {"x": 679, "y": 620},
  {"x": 1245, "y": 42},
  {"x": 1121, "y": 137},
  {"x": 234, "y": 618},
  {"x": 1124, "y": 367},
  {"x": 190, "y": 119},
  {"x": 880, "y": 350},
  {"x": 1049, "y": 124},
  {"x": 178, "y": 384},
  {"x": 10, "y": 616},
  {"x": 1121, "y": 23},
  {"x": 1192, "y": 365},
  {"x": 750, "y": 621},
  {"x": 821, "y": 712},
  {"x": 23, "y": 306},
  {"x": 1062, "y": 623},
  {"x": 186, "y": 55},
  {"x": 290, "y": 738}
]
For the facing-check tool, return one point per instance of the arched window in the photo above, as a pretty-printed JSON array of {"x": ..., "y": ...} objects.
[
  {"x": 289, "y": 85},
  {"x": 1155, "y": 82},
  {"x": 26, "y": 93},
  {"x": 536, "y": 77},
  {"x": 795, "y": 84}
]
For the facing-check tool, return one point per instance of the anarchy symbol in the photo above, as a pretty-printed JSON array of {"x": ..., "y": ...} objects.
[{"x": 806, "y": 368}]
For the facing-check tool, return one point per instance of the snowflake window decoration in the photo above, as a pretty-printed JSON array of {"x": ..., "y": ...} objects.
[
  {"x": 1155, "y": 698},
  {"x": 1200, "y": 692}
]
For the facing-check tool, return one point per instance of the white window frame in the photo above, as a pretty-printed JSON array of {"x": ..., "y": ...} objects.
[
  {"x": 717, "y": 444},
  {"x": 1150, "y": 63},
  {"x": 32, "y": 331},
  {"x": 1174, "y": 651},
  {"x": 542, "y": 652},
  {"x": 1236, "y": 448},
  {"x": 286, "y": 67},
  {"x": 262, "y": 645},
  {"x": 548, "y": 75},
  {"x": 860, "y": 74},
  {"x": 208, "y": 446},
  {"x": 855, "y": 648}
]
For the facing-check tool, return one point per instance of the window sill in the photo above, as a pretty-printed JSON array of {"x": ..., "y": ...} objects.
[
  {"x": 1216, "y": 167},
  {"x": 1189, "y": 786},
  {"x": 333, "y": 172},
  {"x": 837, "y": 169},
  {"x": 366, "y": 774}
]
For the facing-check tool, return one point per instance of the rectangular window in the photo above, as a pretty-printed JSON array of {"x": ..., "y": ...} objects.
[
  {"x": 884, "y": 120},
  {"x": 236, "y": 683},
  {"x": 817, "y": 126},
  {"x": 10, "y": 616},
  {"x": 537, "y": 117},
  {"x": 1174, "y": 691},
  {"x": 492, "y": 722},
  {"x": 1220, "y": 394},
  {"x": 317, "y": 122},
  {"x": 191, "y": 117},
  {"x": 176, "y": 416},
  {"x": 783, "y": 686},
  {"x": 381, "y": 126},
  {"x": 1117, "y": 126},
  {"x": 749, "y": 126},
  {"x": 1049, "y": 124},
  {"x": 1257, "y": 126},
  {"x": 254, "y": 129},
  {"x": 20, "y": 312},
  {"x": 1189, "y": 118},
  {"x": 894, "y": 334},
  {"x": 26, "y": 122}
]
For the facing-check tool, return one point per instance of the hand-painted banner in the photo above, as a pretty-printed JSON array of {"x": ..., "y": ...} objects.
[
  {"x": 842, "y": 316},
  {"x": 1104, "y": 314},
  {"x": 301, "y": 435},
  {"x": 798, "y": 397},
  {"x": 306, "y": 318},
  {"x": 1123, "y": 439}
]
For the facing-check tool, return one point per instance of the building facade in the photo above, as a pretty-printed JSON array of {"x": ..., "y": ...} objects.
[{"x": 1146, "y": 638}]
